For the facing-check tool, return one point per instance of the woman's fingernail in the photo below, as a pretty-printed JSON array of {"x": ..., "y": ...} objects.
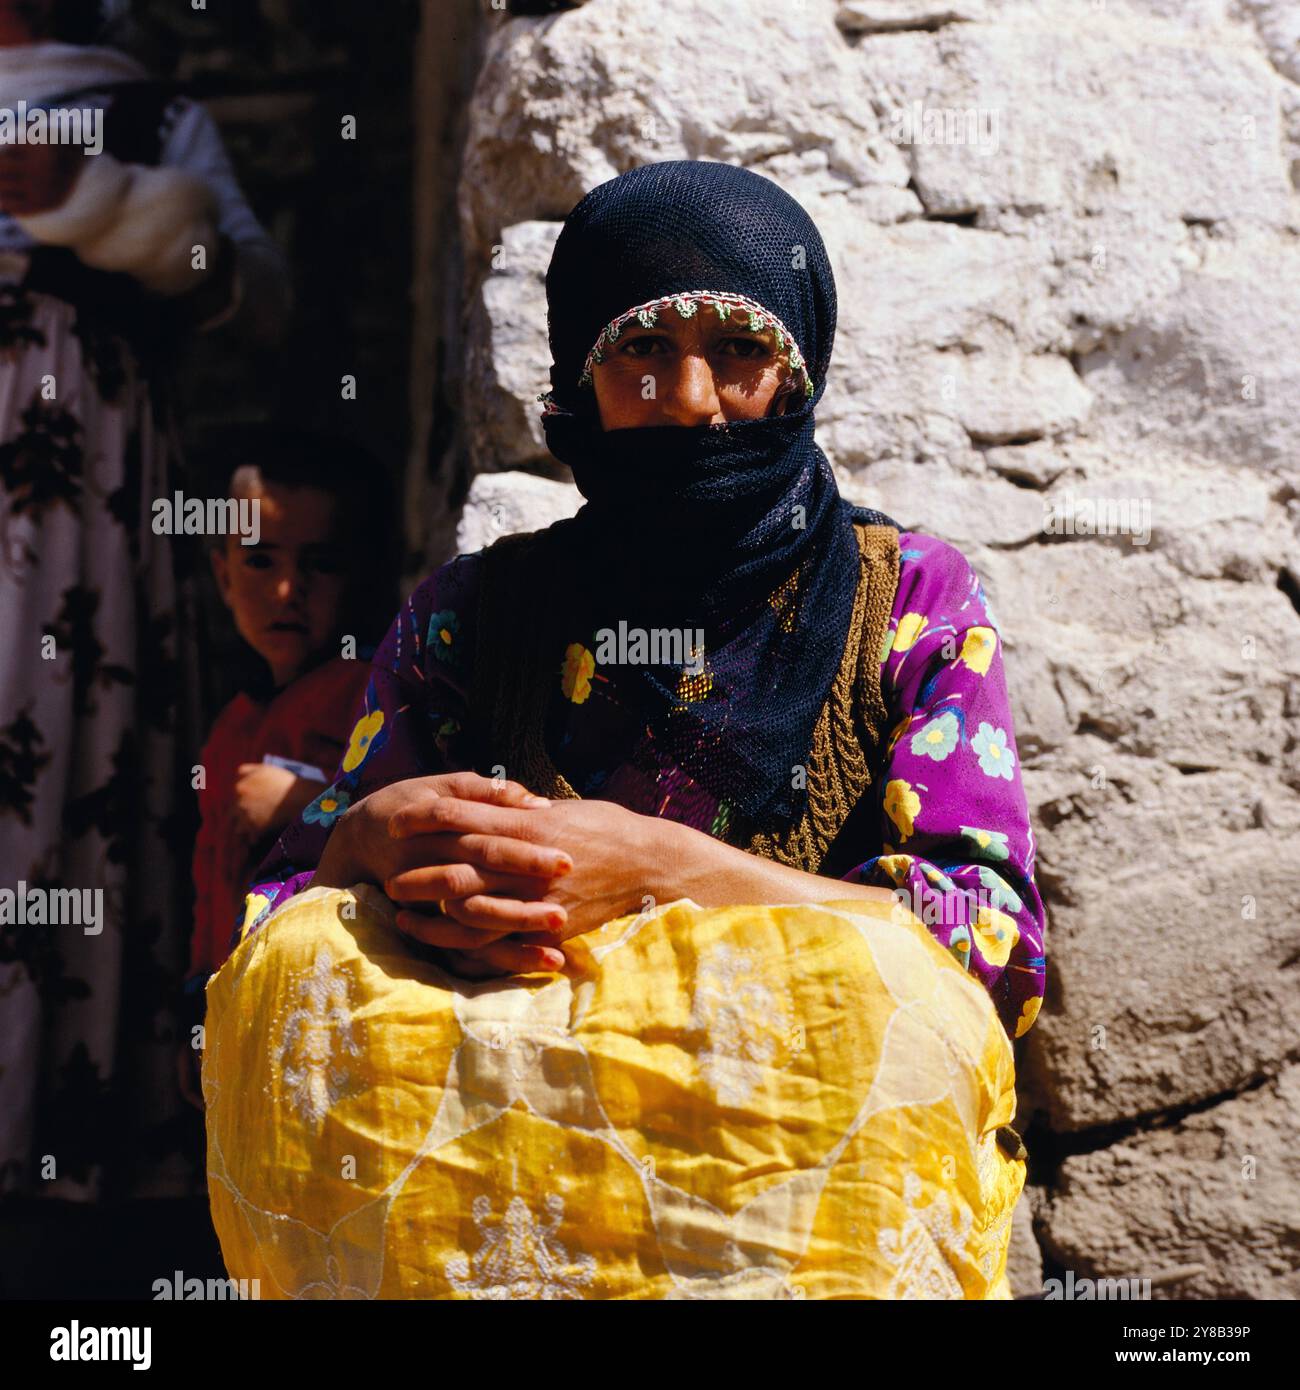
[
  {"x": 555, "y": 919},
  {"x": 536, "y": 801},
  {"x": 563, "y": 864},
  {"x": 551, "y": 959}
]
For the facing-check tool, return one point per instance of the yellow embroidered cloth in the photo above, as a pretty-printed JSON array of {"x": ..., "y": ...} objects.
[{"x": 741, "y": 1102}]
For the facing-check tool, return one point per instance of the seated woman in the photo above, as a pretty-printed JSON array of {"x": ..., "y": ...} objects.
[{"x": 659, "y": 779}]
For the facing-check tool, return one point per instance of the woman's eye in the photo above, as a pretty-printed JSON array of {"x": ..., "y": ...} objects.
[
  {"x": 745, "y": 347},
  {"x": 254, "y": 561},
  {"x": 643, "y": 347},
  {"x": 325, "y": 564}
]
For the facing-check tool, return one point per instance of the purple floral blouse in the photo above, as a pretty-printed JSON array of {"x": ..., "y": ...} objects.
[{"x": 952, "y": 832}]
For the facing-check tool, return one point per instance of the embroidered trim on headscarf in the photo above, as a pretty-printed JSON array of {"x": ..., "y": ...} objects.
[{"x": 687, "y": 303}]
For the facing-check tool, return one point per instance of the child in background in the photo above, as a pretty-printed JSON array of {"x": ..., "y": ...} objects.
[{"x": 320, "y": 574}]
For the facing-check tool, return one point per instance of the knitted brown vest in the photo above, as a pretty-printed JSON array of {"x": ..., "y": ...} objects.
[{"x": 515, "y": 660}]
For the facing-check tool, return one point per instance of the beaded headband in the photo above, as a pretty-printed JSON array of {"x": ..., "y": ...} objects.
[{"x": 687, "y": 304}]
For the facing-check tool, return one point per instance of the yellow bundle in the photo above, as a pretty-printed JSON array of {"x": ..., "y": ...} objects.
[{"x": 741, "y": 1102}]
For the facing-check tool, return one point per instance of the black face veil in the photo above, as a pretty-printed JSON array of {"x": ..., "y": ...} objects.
[{"x": 737, "y": 530}]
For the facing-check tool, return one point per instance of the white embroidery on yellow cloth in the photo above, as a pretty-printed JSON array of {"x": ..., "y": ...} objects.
[
  {"x": 745, "y": 1019},
  {"x": 517, "y": 1051},
  {"x": 923, "y": 1250},
  {"x": 521, "y": 1258},
  {"x": 315, "y": 1039}
]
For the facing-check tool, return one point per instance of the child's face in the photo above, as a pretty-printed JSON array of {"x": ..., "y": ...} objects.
[{"x": 285, "y": 592}]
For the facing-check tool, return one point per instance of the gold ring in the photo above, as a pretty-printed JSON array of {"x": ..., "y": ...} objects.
[{"x": 442, "y": 906}]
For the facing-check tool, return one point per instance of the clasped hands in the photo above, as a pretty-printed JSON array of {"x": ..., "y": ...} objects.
[{"x": 494, "y": 876}]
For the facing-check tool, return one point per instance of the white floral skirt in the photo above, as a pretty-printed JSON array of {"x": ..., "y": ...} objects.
[{"x": 96, "y": 720}]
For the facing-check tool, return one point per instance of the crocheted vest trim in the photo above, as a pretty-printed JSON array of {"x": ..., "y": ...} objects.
[{"x": 510, "y": 689}]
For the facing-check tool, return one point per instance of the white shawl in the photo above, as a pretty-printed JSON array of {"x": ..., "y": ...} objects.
[{"x": 144, "y": 222}]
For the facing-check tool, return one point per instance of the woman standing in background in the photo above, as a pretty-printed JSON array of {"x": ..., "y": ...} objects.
[{"x": 99, "y": 285}]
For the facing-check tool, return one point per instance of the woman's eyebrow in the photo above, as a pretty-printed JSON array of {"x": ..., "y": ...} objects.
[{"x": 741, "y": 325}]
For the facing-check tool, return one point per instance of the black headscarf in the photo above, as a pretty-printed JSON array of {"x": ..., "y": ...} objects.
[{"x": 706, "y": 527}]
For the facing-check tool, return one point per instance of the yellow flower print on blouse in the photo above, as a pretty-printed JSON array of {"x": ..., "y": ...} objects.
[
  {"x": 575, "y": 675},
  {"x": 1028, "y": 1013},
  {"x": 995, "y": 935},
  {"x": 902, "y": 806},
  {"x": 362, "y": 736},
  {"x": 896, "y": 865},
  {"x": 978, "y": 649},
  {"x": 910, "y": 627}
]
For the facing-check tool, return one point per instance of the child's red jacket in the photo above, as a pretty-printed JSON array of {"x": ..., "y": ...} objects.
[{"x": 309, "y": 722}]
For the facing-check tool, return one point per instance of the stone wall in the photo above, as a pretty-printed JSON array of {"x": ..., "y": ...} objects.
[{"x": 1085, "y": 290}]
